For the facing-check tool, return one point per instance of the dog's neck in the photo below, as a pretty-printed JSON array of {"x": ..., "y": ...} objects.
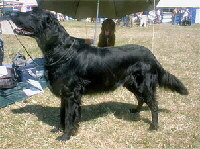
[{"x": 52, "y": 38}]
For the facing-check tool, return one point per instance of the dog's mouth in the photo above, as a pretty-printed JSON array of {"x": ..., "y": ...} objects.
[
  {"x": 22, "y": 27},
  {"x": 23, "y": 31}
]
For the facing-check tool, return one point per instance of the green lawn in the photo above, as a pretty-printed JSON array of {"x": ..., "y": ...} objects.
[{"x": 106, "y": 121}]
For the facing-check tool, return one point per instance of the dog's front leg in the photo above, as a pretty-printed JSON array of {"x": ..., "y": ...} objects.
[
  {"x": 62, "y": 113},
  {"x": 70, "y": 113},
  {"x": 67, "y": 122}
]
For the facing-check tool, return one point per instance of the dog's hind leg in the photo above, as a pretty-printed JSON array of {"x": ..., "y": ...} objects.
[
  {"x": 143, "y": 85},
  {"x": 153, "y": 105},
  {"x": 70, "y": 112},
  {"x": 149, "y": 96},
  {"x": 139, "y": 106},
  {"x": 133, "y": 84},
  {"x": 132, "y": 88}
]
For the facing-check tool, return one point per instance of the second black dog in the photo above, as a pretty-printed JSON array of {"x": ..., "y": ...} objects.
[{"x": 74, "y": 69}]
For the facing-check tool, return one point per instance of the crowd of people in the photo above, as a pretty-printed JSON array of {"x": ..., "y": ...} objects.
[
  {"x": 145, "y": 18},
  {"x": 142, "y": 19},
  {"x": 181, "y": 17}
]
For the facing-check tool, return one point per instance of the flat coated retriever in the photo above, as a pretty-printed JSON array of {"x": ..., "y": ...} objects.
[
  {"x": 73, "y": 69},
  {"x": 107, "y": 35}
]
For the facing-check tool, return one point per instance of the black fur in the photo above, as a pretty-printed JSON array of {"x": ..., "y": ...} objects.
[{"x": 74, "y": 69}]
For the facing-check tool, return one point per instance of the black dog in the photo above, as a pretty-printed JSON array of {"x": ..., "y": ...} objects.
[{"x": 74, "y": 69}]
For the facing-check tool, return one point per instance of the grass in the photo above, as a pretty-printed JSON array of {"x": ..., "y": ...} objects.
[{"x": 106, "y": 121}]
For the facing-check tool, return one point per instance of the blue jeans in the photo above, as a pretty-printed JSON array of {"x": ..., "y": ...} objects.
[
  {"x": 174, "y": 20},
  {"x": 124, "y": 20}
]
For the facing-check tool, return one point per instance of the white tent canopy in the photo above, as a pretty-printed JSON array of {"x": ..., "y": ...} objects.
[
  {"x": 179, "y": 3},
  {"x": 25, "y": 2}
]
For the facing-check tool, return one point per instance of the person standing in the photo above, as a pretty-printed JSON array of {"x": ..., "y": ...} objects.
[
  {"x": 174, "y": 14},
  {"x": 158, "y": 16},
  {"x": 186, "y": 15},
  {"x": 124, "y": 19},
  {"x": 144, "y": 18}
]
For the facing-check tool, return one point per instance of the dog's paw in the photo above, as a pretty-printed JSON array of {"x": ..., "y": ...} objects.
[
  {"x": 56, "y": 129},
  {"x": 153, "y": 127},
  {"x": 64, "y": 137}
]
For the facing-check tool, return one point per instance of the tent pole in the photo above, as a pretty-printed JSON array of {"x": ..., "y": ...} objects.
[
  {"x": 153, "y": 32},
  {"x": 95, "y": 32}
]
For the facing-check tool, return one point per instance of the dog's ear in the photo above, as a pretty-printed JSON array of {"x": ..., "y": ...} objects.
[{"x": 50, "y": 17}]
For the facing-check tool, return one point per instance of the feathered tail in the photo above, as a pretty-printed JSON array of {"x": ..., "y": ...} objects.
[{"x": 168, "y": 80}]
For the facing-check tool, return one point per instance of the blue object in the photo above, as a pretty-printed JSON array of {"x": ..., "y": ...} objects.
[{"x": 10, "y": 96}]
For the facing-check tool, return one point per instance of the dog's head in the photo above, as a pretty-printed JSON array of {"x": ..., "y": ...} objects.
[
  {"x": 108, "y": 27},
  {"x": 35, "y": 22}
]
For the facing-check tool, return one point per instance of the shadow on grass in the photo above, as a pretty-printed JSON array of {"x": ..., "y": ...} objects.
[{"x": 50, "y": 115}]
